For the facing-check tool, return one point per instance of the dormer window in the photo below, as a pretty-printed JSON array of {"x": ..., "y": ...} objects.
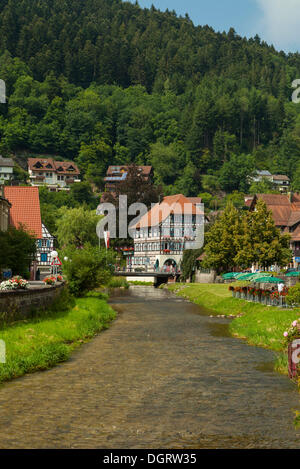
[{"x": 38, "y": 165}]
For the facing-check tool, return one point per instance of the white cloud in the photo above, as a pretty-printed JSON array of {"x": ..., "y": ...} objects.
[{"x": 280, "y": 23}]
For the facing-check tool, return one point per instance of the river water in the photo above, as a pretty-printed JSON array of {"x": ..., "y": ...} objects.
[{"x": 165, "y": 375}]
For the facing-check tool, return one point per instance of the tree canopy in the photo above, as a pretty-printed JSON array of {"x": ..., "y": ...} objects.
[
  {"x": 106, "y": 82},
  {"x": 245, "y": 238}
]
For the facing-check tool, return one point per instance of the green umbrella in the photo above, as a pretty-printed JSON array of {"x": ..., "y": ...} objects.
[
  {"x": 259, "y": 275},
  {"x": 268, "y": 280},
  {"x": 244, "y": 276},
  {"x": 229, "y": 275},
  {"x": 292, "y": 274}
]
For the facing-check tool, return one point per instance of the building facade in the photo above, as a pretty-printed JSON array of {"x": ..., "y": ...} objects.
[
  {"x": 56, "y": 175},
  {"x": 280, "y": 182},
  {"x": 6, "y": 169},
  {"x": 4, "y": 211},
  {"x": 25, "y": 212},
  {"x": 162, "y": 235}
]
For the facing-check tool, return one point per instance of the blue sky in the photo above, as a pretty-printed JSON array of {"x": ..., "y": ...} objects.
[{"x": 276, "y": 21}]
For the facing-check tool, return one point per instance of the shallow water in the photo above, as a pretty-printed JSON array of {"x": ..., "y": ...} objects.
[{"x": 165, "y": 375}]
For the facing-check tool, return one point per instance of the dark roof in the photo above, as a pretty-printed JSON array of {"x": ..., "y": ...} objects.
[{"x": 6, "y": 162}]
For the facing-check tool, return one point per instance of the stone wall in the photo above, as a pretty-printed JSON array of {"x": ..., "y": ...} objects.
[
  {"x": 22, "y": 304},
  {"x": 209, "y": 277}
]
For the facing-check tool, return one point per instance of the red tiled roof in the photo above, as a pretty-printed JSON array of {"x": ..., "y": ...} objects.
[
  {"x": 281, "y": 177},
  {"x": 177, "y": 204},
  {"x": 195, "y": 200},
  {"x": 44, "y": 162},
  {"x": 248, "y": 201},
  {"x": 285, "y": 213},
  {"x": 295, "y": 235},
  {"x": 66, "y": 165},
  {"x": 274, "y": 199},
  {"x": 25, "y": 208}
]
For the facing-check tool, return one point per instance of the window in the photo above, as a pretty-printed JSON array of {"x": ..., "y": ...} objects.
[{"x": 44, "y": 257}]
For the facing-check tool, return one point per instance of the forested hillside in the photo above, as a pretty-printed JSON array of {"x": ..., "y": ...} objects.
[{"x": 105, "y": 82}]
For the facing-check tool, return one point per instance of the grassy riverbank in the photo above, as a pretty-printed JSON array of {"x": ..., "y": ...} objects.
[
  {"x": 40, "y": 343},
  {"x": 260, "y": 325}
]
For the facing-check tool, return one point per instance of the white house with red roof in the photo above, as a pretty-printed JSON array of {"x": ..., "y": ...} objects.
[
  {"x": 25, "y": 212},
  {"x": 165, "y": 231},
  {"x": 56, "y": 175}
]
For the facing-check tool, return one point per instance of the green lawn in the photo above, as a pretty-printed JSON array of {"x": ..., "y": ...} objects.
[
  {"x": 39, "y": 344},
  {"x": 260, "y": 325}
]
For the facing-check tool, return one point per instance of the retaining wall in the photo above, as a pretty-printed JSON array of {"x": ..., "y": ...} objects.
[{"x": 21, "y": 304}]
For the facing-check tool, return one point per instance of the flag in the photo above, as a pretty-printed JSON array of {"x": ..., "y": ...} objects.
[{"x": 106, "y": 238}]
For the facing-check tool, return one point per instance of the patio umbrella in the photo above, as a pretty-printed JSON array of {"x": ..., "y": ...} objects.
[
  {"x": 229, "y": 275},
  {"x": 268, "y": 280},
  {"x": 292, "y": 274},
  {"x": 258, "y": 275},
  {"x": 244, "y": 276}
]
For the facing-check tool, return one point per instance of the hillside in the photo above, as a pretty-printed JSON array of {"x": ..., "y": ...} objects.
[{"x": 106, "y": 82}]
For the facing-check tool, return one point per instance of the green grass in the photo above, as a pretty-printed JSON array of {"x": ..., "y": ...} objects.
[
  {"x": 39, "y": 344},
  {"x": 260, "y": 325}
]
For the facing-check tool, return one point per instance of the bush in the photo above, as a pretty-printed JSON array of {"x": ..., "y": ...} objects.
[
  {"x": 118, "y": 282},
  {"x": 293, "y": 296},
  {"x": 87, "y": 268}
]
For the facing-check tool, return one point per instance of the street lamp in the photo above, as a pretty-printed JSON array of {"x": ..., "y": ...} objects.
[{"x": 54, "y": 256}]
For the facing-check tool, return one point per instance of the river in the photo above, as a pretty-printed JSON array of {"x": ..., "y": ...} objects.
[{"x": 165, "y": 375}]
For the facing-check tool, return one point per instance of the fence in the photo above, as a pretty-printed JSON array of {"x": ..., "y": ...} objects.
[{"x": 265, "y": 297}]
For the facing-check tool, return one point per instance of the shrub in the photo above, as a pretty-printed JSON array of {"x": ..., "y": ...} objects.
[
  {"x": 293, "y": 296},
  {"x": 118, "y": 282},
  {"x": 87, "y": 268}
]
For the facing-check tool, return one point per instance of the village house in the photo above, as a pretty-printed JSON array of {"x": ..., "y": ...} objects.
[
  {"x": 285, "y": 209},
  {"x": 56, "y": 175},
  {"x": 25, "y": 212},
  {"x": 118, "y": 174},
  {"x": 162, "y": 234},
  {"x": 4, "y": 211},
  {"x": 280, "y": 181},
  {"x": 6, "y": 169}
]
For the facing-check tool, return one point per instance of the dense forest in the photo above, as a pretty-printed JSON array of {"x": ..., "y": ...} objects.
[{"x": 107, "y": 82}]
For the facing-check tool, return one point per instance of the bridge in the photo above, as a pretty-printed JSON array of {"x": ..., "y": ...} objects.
[{"x": 158, "y": 277}]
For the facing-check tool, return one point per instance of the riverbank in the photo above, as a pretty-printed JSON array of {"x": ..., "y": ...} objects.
[
  {"x": 40, "y": 343},
  {"x": 260, "y": 325}
]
